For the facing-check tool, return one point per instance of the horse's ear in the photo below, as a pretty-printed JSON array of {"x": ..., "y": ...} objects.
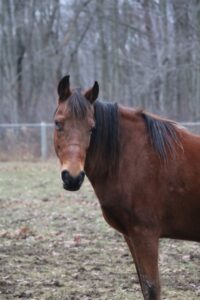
[
  {"x": 92, "y": 93},
  {"x": 64, "y": 88}
]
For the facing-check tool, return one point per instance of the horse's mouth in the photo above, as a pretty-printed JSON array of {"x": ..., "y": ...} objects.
[{"x": 71, "y": 188}]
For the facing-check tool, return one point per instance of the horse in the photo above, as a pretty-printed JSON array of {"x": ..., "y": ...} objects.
[{"x": 145, "y": 171}]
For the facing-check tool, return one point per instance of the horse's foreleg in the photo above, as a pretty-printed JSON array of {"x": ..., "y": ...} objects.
[{"x": 144, "y": 249}]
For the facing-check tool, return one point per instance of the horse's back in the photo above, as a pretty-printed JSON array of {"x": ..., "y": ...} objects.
[
  {"x": 166, "y": 192},
  {"x": 181, "y": 185}
]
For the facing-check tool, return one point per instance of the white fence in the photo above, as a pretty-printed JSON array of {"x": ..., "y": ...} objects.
[{"x": 22, "y": 140}]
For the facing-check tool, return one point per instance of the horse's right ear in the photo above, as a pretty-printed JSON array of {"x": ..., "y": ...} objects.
[{"x": 64, "y": 88}]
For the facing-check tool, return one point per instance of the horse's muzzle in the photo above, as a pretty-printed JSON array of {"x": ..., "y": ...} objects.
[{"x": 72, "y": 183}]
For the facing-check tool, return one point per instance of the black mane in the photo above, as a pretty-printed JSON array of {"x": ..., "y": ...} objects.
[
  {"x": 104, "y": 144},
  {"x": 163, "y": 135}
]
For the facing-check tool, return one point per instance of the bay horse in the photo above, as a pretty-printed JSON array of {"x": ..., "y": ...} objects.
[{"x": 145, "y": 171}]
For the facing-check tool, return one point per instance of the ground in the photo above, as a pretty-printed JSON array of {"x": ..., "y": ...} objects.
[{"x": 56, "y": 245}]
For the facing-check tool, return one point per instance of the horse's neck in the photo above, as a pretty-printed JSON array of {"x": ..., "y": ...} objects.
[
  {"x": 95, "y": 177},
  {"x": 132, "y": 155},
  {"x": 131, "y": 134}
]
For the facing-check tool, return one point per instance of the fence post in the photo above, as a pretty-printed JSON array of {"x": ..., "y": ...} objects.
[{"x": 43, "y": 140}]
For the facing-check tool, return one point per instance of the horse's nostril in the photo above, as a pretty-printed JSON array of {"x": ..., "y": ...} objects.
[
  {"x": 82, "y": 175},
  {"x": 65, "y": 176}
]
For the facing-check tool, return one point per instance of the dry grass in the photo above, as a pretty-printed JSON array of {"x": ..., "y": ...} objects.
[{"x": 56, "y": 245}]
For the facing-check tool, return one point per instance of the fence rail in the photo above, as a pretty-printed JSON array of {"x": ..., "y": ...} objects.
[{"x": 11, "y": 137}]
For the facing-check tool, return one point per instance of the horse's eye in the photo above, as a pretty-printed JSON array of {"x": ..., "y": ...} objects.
[{"x": 58, "y": 126}]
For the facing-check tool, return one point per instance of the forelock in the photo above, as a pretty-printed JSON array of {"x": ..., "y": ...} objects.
[{"x": 78, "y": 105}]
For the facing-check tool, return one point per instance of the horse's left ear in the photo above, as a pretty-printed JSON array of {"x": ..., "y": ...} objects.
[{"x": 93, "y": 93}]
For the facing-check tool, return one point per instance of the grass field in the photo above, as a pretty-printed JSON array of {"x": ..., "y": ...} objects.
[{"x": 55, "y": 244}]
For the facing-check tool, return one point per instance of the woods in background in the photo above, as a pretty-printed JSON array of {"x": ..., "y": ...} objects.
[{"x": 144, "y": 53}]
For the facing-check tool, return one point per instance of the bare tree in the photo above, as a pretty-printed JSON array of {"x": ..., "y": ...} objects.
[{"x": 143, "y": 53}]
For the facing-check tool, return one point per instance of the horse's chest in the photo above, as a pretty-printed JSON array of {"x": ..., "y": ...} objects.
[
  {"x": 117, "y": 217},
  {"x": 116, "y": 212}
]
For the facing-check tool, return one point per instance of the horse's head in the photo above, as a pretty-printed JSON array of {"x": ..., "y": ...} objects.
[{"x": 74, "y": 123}]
